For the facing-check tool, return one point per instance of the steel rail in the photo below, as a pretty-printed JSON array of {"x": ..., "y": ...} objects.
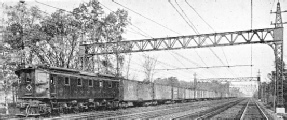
[
  {"x": 212, "y": 113},
  {"x": 109, "y": 114},
  {"x": 261, "y": 111},
  {"x": 207, "y": 113},
  {"x": 245, "y": 109},
  {"x": 258, "y": 108}
]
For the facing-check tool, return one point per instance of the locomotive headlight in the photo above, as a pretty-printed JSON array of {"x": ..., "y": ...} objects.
[{"x": 22, "y": 1}]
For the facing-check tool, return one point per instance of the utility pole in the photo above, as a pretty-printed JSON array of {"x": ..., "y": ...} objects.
[
  {"x": 259, "y": 86},
  {"x": 22, "y": 63},
  {"x": 194, "y": 84},
  {"x": 117, "y": 57}
]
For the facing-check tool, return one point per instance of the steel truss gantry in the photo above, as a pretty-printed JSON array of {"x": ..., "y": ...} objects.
[
  {"x": 184, "y": 42},
  {"x": 270, "y": 36}
]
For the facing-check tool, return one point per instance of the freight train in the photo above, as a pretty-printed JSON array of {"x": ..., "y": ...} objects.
[{"x": 46, "y": 90}]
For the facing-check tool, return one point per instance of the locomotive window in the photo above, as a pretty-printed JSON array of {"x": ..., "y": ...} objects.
[
  {"x": 52, "y": 80},
  {"x": 101, "y": 83},
  {"x": 91, "y": 83},
  {"x": 28, "y": 77},
  {"x": 110, "y": 84},
  {"x": 23, "y": 77},
  {"x": 79, "y": 81},
  {"x": 67, "y": 81}
]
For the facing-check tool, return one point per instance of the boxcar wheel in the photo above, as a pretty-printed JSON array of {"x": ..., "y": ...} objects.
[{"x": 76, "y": 110}]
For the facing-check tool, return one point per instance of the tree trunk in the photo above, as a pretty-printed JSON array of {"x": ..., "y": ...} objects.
[{"x": 6, "y": 95}]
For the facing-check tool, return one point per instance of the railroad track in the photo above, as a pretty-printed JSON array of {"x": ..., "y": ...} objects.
[
  {"x": 207, "y": 114},
  {"x": 232, "y": 113},
  {"x": 141, "y": 112},
  {"x": 163, "y": 112},
  {"x": 253, "y": 111}
]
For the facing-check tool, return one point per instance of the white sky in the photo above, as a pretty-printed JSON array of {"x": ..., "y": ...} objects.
[{"x": 222, "y": 15}]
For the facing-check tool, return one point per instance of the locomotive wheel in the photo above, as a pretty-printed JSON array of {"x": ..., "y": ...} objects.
[{"x": 32, "y": 111}]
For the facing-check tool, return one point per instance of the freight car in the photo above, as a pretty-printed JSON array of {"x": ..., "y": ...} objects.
[{"x": 51, "y": 90}]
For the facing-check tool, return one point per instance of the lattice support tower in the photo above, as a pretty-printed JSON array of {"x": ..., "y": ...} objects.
[{"x": 278, "y": 51}]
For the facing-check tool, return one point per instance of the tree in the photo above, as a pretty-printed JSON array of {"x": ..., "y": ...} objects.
[
  {"x": 171, "y": 81},
  {"x": 97, "y": 28},
  {"x": 60, "y": 46},
  {"x": 148, "y": 68},
  {"x": 54, "y": 39},
  {"x": 7, "y": 76},
  {"x": 22, "y": 32}
]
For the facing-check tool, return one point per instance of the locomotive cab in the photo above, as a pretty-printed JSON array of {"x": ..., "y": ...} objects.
[
  {"x": 33, "y": 83},
  {"x": 33, "y": 88}
]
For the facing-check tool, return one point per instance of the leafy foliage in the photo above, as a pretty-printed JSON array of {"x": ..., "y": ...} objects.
[{"x": 54, "y": 39}]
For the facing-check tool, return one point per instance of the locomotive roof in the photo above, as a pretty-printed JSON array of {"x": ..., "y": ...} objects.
[{"x": 64, "y": 70}]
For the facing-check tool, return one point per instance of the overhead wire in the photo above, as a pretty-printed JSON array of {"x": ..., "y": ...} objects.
[
  {"x": 140, "y": 34},
  {"x": 177, "y": 59},
  {"x": 207, "y": 67},
  {"x": 135, "y": 32},
  {"x": 163, "y": 63},
  {"x": 188, "y": 22},
  {"x": 175, "y": 73},
  {"x": 146, "y": 17},
  {"x": 128, "y": 21},
  {"x": 190, "y": 25},
  {"x": 140, "y": 30},
  {"x": 186, "y": 16},
  {"x": 189, "y": 60},
  {"x": 199, "y": 15},
  {"x": 131, "y": 24},
  {"x": 194, "y": 63},
  {"x": 152, "y": 20},
  {"x": 225, "y": 57},
  {"x": 180, "y": 61},
  {"x": 194, "y": 28},
  {"x": 54, "y": 7},
  {"x": 99, "y": 3},
  {"x": 103, "y": 6},
  {"x": 213, "y": 31}
]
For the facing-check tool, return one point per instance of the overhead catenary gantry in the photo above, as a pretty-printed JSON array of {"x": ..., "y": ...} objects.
[
  {"x": 183, "y": 42},
  {"x": 271, "y": 36}
]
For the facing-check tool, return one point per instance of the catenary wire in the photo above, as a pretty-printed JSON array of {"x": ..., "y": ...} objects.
[{"x": 147, "y": 18}]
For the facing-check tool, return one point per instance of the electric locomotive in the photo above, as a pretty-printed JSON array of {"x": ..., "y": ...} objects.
[{"x": 51, "y": 90}]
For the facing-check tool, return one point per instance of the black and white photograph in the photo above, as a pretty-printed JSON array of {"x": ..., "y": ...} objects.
[{"x": 143, "y": 60}]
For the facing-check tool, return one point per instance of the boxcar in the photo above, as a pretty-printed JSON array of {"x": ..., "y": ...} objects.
[
  {"x": 181, "y": 93},
  {"x": 162, "y": 92}
]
